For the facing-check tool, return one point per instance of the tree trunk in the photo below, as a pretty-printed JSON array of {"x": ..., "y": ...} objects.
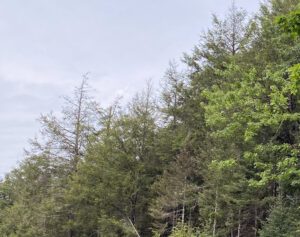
[
  {"x": 239, "y": 225},
  {"x": 70, "y": 231},
  {"x": 135, "y": 230},
  {"x": 183, "y": 202},
  {"x": 215, "y": 214},
  {"x": 255, "y": 221}
]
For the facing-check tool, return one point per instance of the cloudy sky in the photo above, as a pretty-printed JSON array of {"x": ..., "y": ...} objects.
[{"x": 47, "y": 45}]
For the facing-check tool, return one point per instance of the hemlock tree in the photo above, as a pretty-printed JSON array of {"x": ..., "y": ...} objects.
[
  {"x": 66, "y": 138},
  {"x": 121, "y": 166},
  {"x": 38, "y": 185},
  {"x": 176, "y": 192}
]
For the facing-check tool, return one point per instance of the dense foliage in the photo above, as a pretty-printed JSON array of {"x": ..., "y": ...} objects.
[{"x": 217, "y": 153}]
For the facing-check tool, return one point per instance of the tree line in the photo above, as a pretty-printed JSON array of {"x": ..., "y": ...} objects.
[{"x": 214, "y": 154}]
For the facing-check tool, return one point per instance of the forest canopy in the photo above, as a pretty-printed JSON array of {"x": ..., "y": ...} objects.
[{"x": 215, "y": 154}]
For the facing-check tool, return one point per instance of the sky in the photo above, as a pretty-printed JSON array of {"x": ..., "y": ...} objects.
[{"x": 47, "y": 45}]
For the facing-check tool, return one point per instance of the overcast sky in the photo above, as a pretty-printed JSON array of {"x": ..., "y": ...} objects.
[{"x": 47, "y": 45}]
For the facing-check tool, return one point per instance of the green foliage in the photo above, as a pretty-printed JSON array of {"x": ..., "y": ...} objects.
[
  {"x": 252, "y": 107},
  {"x": 290, "y": 23},
  {"x": 210, "y": 159},
  {"x": 283, "y": 221},
  {"x": 183, "y": 230},
  {"x": 111, "y": 227}
]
